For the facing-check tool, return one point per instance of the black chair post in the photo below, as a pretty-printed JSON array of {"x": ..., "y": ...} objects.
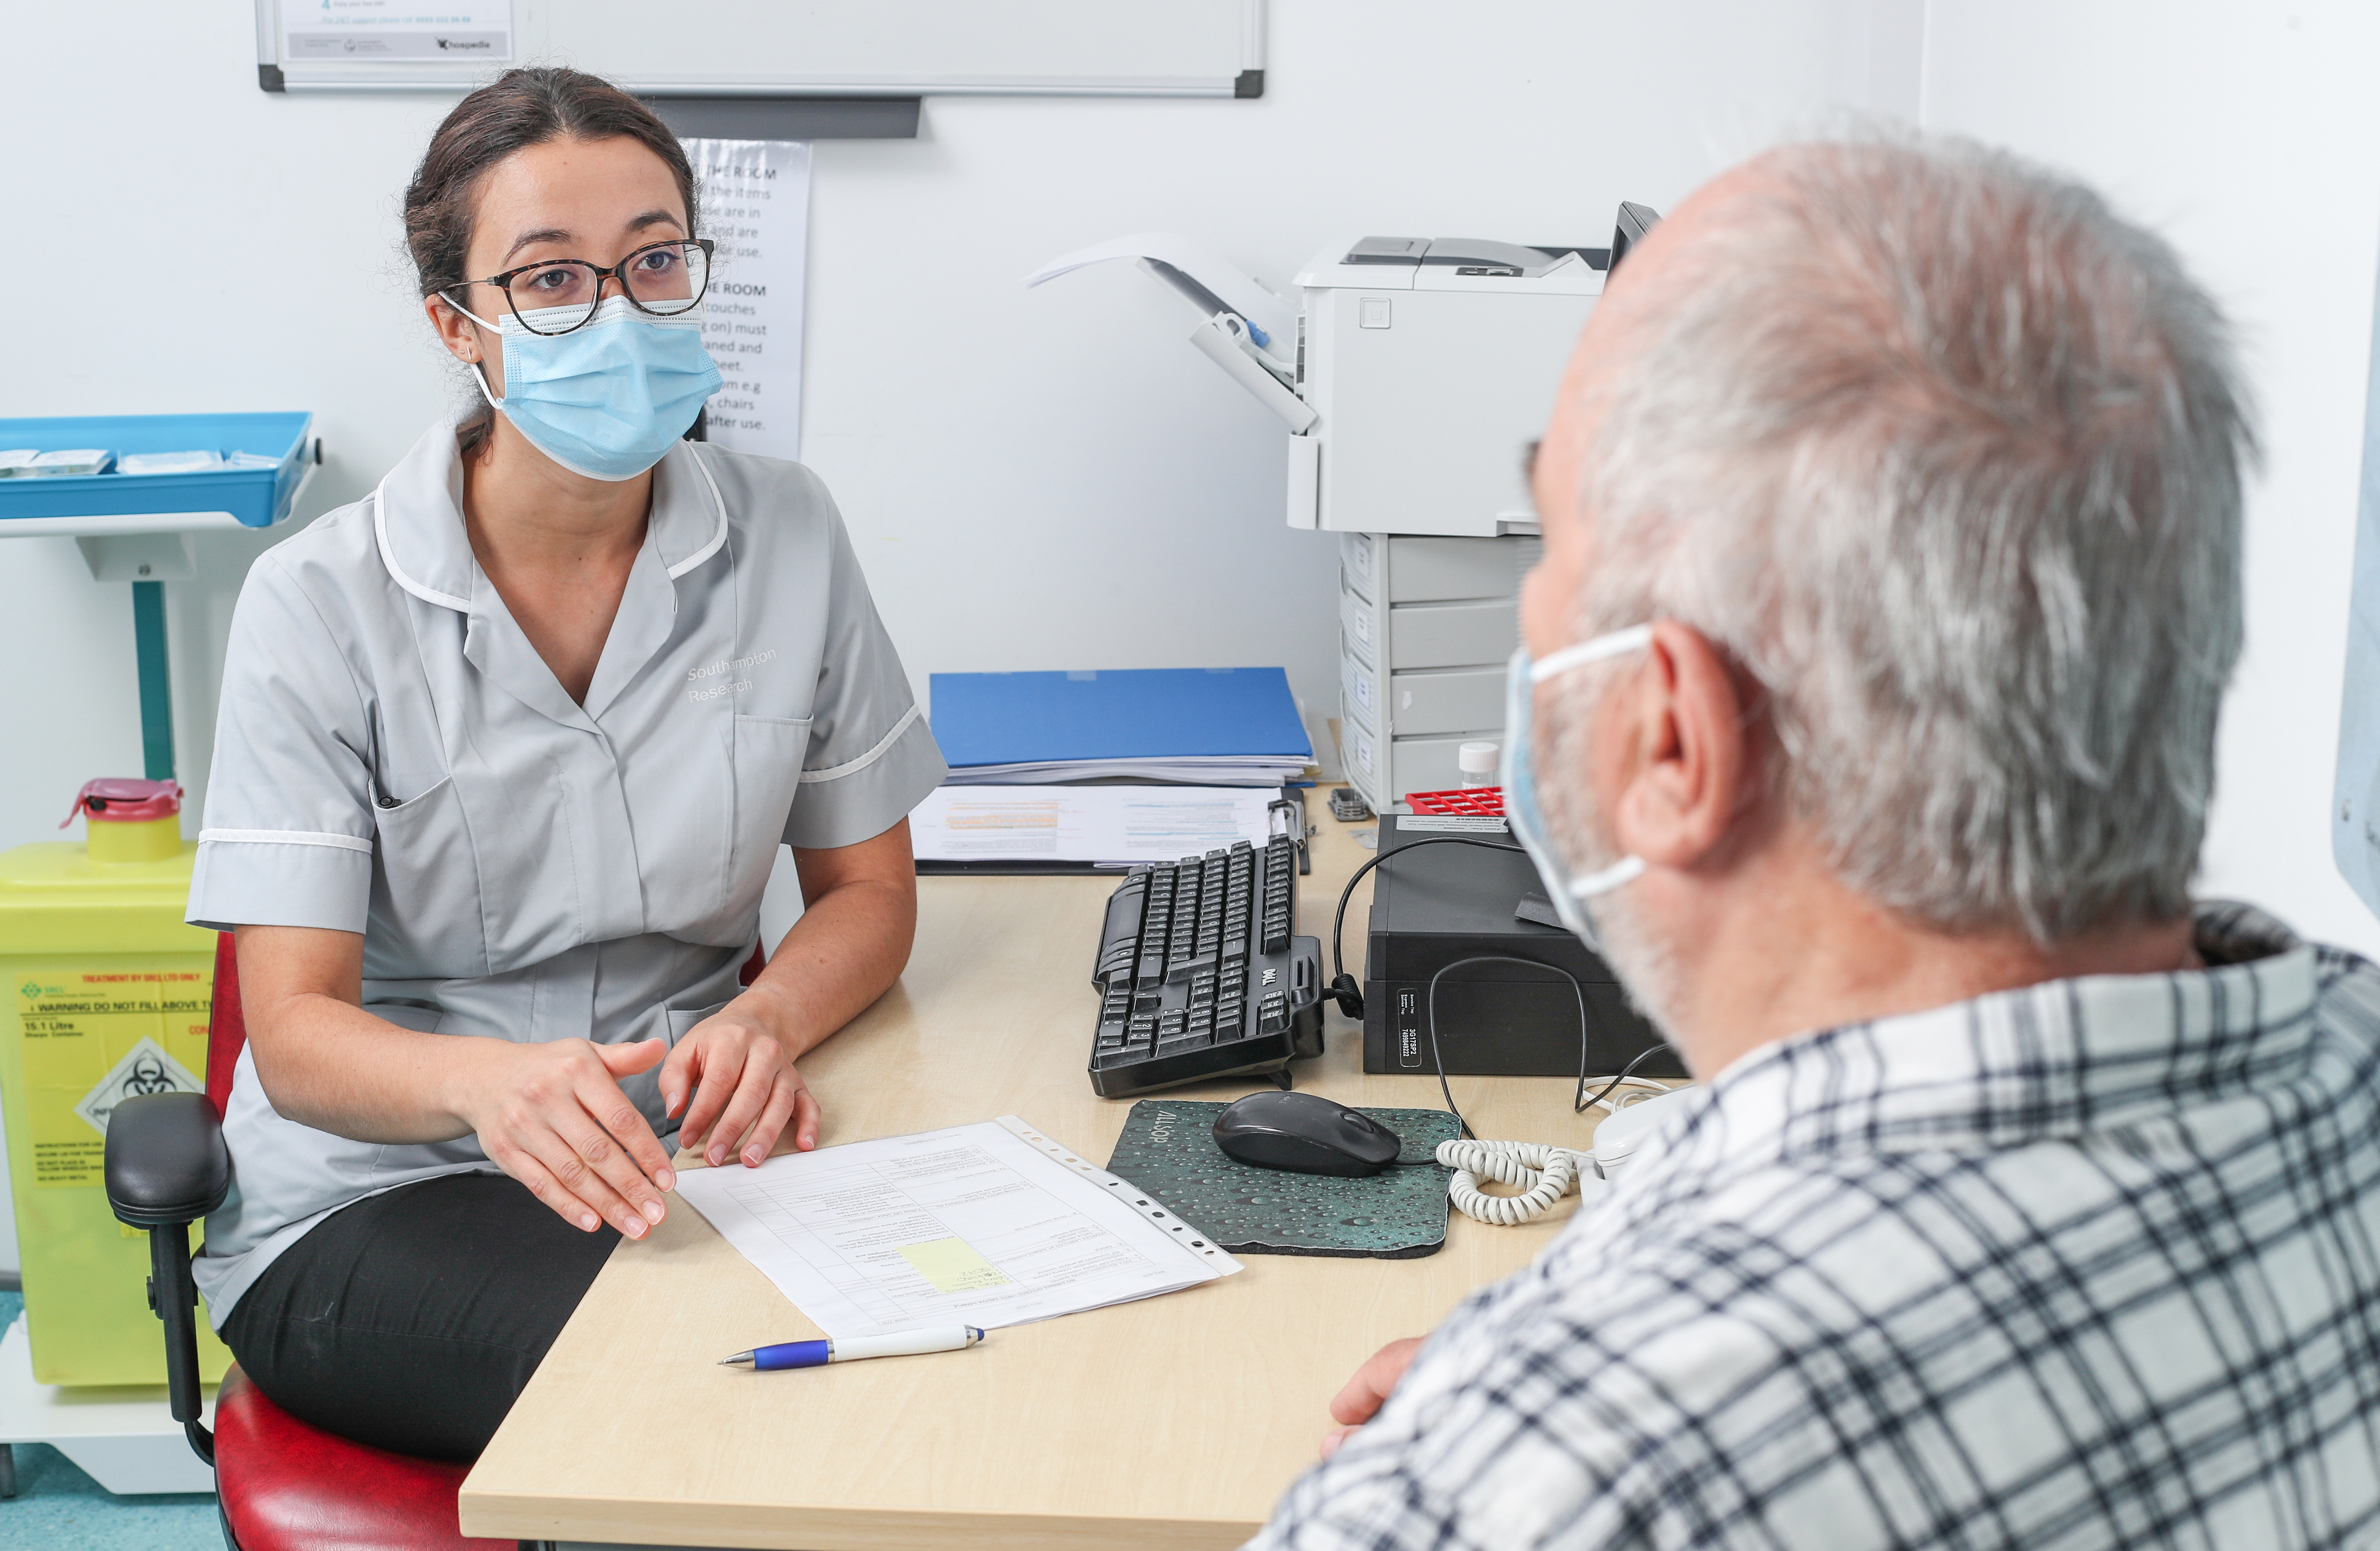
[
  {"x": 167, "y": 1167},
  {"x": 175, "y": 1296}
]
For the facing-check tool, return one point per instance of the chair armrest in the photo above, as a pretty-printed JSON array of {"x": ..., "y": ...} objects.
[
  {"x": 167, "y": 1166},
  {"x": 166, "y": 1162}
]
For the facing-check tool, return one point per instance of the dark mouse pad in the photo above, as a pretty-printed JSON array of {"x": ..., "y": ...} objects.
[{"x": 1168, "y": 1149}]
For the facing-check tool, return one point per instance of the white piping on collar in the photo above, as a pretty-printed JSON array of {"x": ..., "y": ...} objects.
[
  {"x": 388, "y": 557},
  {"x": 718, "y": 538},
  {"x": 462, "y": 606}
]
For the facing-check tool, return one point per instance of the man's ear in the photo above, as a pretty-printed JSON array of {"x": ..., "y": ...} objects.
[{"x": 1679, "y": 727}]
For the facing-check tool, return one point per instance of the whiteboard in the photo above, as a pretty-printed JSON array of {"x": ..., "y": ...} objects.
[{"x": 1165, "y": 48}]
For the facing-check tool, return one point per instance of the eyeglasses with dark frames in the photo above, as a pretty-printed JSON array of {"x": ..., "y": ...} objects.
[{"x": 555, "y": 296}]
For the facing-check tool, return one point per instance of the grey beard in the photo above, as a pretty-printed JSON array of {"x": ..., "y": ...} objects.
[{"x": 1646, "y": 967}]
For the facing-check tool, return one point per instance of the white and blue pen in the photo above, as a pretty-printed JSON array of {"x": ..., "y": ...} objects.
[{"x": 850, "y": 1349}]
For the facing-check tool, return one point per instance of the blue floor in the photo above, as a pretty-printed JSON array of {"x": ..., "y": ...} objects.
[{"x": 59, "y": 1509}]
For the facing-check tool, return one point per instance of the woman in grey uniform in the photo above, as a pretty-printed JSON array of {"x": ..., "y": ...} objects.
[{"x": 505, "y": 753}]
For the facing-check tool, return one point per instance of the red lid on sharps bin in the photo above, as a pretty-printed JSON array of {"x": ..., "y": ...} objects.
[{"x": 122, "y": 799}]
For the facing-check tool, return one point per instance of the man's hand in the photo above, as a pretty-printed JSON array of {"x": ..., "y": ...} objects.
[
  {"x": 1361, "y": 1399},
  {"x": 738, "y": 1088},
  {"x": 553, "y": 1118}
]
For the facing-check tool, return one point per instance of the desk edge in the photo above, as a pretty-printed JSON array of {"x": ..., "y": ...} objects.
[{"x": 513, "y": 1515}]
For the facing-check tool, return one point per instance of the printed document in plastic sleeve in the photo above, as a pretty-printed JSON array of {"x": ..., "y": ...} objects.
[
  {"x": 991, "y": 1225},
  {"x": 1111, "y": 825}
]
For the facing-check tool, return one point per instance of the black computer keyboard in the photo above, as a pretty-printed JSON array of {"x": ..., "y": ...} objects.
[{"x": 1198, "y": 976}]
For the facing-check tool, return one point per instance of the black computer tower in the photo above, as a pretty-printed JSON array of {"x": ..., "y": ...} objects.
[{"x": 1433, "y": 905}]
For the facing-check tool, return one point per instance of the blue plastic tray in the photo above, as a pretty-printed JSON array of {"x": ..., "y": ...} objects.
[{"x": 258, "y": 498}]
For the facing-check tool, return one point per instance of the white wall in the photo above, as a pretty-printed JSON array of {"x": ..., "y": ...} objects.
[
  {"x": 2248, "y": 133},
  {"x": 1053, "y": 478},
  {"x": 1037, "y": 480}
]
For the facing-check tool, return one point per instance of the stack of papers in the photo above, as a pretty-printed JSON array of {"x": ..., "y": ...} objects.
[
  {"x": 986, "y": 1225},
  {"x": 26, "y": 463},
  {"x": 1103, "y": 827},
  {"x": 1212, "y": 726}
]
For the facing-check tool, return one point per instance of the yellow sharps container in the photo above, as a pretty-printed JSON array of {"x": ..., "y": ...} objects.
[{"x": 107, "y": 993}]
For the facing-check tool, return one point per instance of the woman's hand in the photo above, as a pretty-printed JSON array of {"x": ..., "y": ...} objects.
[
  {"x": 738, "y": 1087},
  {"x": 553, "y": 1118},
  {"x": 732, "y": 1073}
]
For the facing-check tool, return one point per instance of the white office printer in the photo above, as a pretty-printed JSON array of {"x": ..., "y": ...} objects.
[{"x": 1412, "y": 375}]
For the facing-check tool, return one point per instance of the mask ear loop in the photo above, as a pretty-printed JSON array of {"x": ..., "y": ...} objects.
[
  {"x": 479, "y": 368},
  {"x": 1585, "y": 651},
  {"x": 1579, "y": 654},
  {"x": 1603, "y": 881}
]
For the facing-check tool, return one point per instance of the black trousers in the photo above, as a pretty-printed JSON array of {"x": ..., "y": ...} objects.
[{"x": 412, "y": 1320}]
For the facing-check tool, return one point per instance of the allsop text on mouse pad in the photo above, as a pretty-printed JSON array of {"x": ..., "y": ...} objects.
[{"x": 1168, "y": 1149}]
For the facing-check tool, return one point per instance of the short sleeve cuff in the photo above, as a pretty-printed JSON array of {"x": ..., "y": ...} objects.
[
  {"x": 860, "y": 800},
  {"x": 281, "y": 878}
]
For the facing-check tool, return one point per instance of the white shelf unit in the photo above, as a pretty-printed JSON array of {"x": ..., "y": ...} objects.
[
  {"x": 125, "y": 1438},
  {"x": 1426, "y": 625}
]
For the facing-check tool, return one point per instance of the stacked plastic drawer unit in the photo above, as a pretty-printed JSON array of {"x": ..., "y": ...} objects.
[{"x": 1426, "y": 627}]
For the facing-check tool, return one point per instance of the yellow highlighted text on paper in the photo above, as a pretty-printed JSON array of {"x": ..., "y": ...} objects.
[{"x": 953, "y": 1266}]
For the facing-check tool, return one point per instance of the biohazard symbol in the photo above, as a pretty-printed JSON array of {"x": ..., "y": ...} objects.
[{"x": 148, "y": 1076}]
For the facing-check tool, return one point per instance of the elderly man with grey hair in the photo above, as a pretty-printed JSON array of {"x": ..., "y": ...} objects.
[{"x": 1890, "y": 586}]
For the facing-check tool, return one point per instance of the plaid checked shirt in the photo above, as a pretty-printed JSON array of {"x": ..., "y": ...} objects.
[{"x": 2091, "y": 1264}]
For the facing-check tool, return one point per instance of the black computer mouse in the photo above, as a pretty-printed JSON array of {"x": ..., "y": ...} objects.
[{"x": 1305, "y": 1132}]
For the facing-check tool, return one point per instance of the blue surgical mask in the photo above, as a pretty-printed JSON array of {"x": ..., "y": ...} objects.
[
  {"x": 1519, "y": 780},
  {"x": 608, "y": 399}
]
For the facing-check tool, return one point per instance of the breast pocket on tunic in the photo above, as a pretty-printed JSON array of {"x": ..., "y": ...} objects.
[
  {"x": 768, "y": 757},
  {"x": 426, "y": 904}
]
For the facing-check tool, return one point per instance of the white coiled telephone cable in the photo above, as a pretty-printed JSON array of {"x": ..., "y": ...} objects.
[{"x": 1543, "y": 1174}]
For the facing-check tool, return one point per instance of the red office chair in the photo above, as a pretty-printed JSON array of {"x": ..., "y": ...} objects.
[{"x": 280, "y": 1485}]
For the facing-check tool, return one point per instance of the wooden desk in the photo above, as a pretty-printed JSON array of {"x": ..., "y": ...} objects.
[{"x": 1174, "y": 1421}]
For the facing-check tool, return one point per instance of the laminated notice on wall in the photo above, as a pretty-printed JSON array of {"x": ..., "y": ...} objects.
[{"x": 756, "y": 207}]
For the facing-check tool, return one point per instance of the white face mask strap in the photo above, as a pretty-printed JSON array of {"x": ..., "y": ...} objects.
[
  {"x": 479, "y": 368},
  {"x": 1635, "y": 637},
  {"x": 479, "y": 375},
  {"x": 1604, "y": 880},
  {"x": 454, "y": 305}
]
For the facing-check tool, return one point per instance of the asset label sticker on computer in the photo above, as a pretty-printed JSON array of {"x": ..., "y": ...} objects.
[{"x": 1452, "y": 823}]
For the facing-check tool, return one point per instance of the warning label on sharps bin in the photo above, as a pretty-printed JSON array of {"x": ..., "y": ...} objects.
[
  {"x": 146, "y": 1068},
  {"x": 93, "y": 1038}
]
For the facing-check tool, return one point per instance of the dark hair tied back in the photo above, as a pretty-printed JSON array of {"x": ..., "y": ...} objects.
[{"x": 518, "y": 109}]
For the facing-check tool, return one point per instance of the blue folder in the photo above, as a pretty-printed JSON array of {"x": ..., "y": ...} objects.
[{"x": 1128, "y": 713}]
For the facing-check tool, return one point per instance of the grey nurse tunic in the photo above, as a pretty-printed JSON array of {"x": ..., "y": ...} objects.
[{"x": 394, "y": 758}]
